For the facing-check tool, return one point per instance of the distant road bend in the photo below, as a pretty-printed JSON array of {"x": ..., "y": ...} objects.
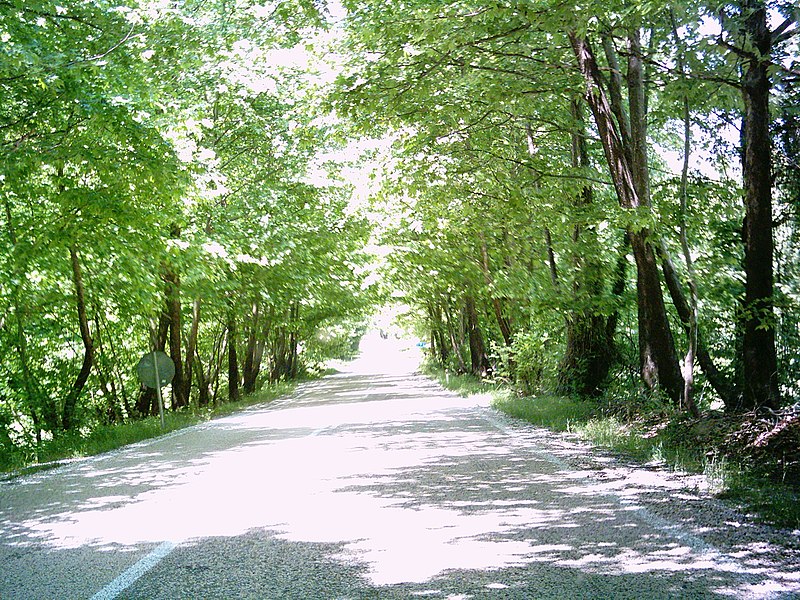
[{"x": 376, "y": 483}]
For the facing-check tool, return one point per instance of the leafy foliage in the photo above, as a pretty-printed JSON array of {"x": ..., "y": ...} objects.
[{"x": 172, "y": 149}]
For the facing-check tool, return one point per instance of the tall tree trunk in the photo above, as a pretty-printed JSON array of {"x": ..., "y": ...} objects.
[
  {"x": 208, "y": 379},
  {"x": 266, "y": 329},
  {"x": 173, "y": 308},
  {"x": 250, "y": 368},
  {"x": 760, "y": 357},
  {"x": 278, "y": 370},
  {"x": 657, "y": 357},
  {"x": 220, "y": 356},
  {"x": 439, "y": 348},
  {"x": 589, "y": 349},
  {"x": 456, "y": 337},
  {"x": 70, "y": 402},
  {"x": 477, "y": 349},
  {"x": 692, "y": 331},
  {"x": 502, "y": 322},
  {"x": 721, "y": 385},
  {"x": 294, "y": 364},
  {"x": 191, "y": 348},
  {"x": 204, "y": 390},
  {"x": 233, "y": 362}
]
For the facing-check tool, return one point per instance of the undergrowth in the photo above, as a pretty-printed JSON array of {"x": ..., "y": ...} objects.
[{"x": 104, "y": 438}]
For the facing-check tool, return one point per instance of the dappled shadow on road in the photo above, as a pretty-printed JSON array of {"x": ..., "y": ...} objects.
[
  {"x": 379, "y": 487},
  {"x": 467, "y": 502}
]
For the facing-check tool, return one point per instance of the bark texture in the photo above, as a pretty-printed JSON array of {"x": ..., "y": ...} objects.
[
  {"x": 70, "y": 402},
  {"x": 760, "y": 357},
  {"x": 658, "y": 360}
]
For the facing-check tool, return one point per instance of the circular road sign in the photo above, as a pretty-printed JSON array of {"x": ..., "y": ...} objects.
[{"x": 147, "y": 372}]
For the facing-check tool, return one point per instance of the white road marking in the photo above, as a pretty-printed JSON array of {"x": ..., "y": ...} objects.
[{"x": 126, "y": 579}]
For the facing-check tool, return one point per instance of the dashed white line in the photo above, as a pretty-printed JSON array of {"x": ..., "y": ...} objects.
[{"x": 126, "y": 579}]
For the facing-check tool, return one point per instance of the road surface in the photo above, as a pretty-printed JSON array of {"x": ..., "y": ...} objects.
[{"x": 376, "y": 483}]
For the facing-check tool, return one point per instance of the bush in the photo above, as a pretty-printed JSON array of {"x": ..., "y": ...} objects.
[{"x": 524, "y": 364}]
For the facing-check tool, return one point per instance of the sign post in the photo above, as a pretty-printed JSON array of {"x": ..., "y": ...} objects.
[
  {"x": 158, "y": 390},
  {"x": 155, "y": 370}
]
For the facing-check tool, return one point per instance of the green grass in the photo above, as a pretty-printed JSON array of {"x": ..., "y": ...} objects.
[
  {"x": 104, "y": 438},
  {"x": 463, "y": 385},
  {"x": 775, "y": 503},
  {"x": 552, "y": 412}
]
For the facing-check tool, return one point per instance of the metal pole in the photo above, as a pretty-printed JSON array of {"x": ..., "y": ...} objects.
[{"x": 158, "y": 390}]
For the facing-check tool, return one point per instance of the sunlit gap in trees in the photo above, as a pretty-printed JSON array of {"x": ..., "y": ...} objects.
[{"x": 386, "y": 348}]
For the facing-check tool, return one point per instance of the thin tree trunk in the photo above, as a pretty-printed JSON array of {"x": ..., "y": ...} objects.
[
  {"x": 261, "y": 346},
  {"x": 204, "y": 392},
  {"x": 477, "y": 349},
  {"x": 208, "y": 379},
  {"x": 278, "y": 354},
  {"x": 551, "y": 260},
  {"x": 233, "y": 362},
  {"x": 455, "y": 341},
  {"x": 657, "y": 357},
  {"x": 173, "y": 308},
  {"x": 692, "y": 332},
  {"x": 615, "y": 94},
  {"x": 70, "y": 402},
  {"x": 502, "y": 321},
  {"x": 191, "y": 347},
  {"x": 114, "y": 409},
  {"x": 250, "y": 369},
  {"x": 115, "y": 373},
  {"x": 220, "y": 351},
  {"x": 294, "y": 364},
  {"x": 438, "y": 345},
  {"x": 638, "y": 118},
  {"x": 722, "y": 386}
]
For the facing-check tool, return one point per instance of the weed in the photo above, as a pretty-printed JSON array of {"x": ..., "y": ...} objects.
[{"x": 554, "y": 412}]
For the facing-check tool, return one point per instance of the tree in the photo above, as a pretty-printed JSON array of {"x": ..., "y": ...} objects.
[
  {"x": 758, "y": 43},
  {"x": 658, "y": 360}
]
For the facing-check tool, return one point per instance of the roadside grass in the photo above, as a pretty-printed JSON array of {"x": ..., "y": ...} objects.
[
  {"x": 103, "y": 438},
  {"x": 463, "y": 385},
  {"x": 656, "y": 439}
]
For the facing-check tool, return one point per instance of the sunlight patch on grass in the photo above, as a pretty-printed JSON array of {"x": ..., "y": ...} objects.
[{"x": 554, "y": 412}]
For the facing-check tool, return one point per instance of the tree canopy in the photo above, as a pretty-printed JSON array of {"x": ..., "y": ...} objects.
[
  {"x": 597, "y": 199},
  {"x": 162, "y": 189},
  {"x": 589, "y": 180}
]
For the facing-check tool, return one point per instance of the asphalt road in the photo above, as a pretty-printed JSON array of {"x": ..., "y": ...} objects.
[{"x": 376, "y": 483}]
